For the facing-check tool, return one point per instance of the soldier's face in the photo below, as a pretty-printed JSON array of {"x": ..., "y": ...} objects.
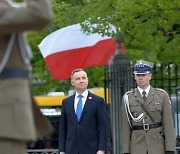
[{"x": 143, "y": 80}]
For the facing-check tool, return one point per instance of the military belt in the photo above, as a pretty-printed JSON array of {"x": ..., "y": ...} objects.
[
  {"x": 147, "y": 126},
  {"x": 14, "y": 73}
]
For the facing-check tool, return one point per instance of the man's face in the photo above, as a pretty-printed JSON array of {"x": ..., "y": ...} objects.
[
  {"x": 143, "y": 80},
  {"x": 80, "y": 81}
]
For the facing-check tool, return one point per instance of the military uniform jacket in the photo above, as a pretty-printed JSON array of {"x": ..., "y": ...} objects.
[
  {"x": 19, "y": 117},
  {"x": 151, "y": 141}
]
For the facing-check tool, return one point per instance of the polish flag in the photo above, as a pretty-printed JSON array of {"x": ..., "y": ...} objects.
[{"x": 69, "y": 48}]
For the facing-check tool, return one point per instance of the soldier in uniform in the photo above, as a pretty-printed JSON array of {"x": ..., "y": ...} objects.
[
  {"x": 20, "y": 119},
  {"x": 147, "y": 123}
]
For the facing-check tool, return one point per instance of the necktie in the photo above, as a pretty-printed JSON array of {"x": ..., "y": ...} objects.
[
  {"x": 144, "y": 95},
  {"x": 79, "y": 107}
]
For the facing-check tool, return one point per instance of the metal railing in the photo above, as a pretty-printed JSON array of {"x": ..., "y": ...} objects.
[
  {"x": 42, "y": 151},
  {"x": 55, "y": 151}
]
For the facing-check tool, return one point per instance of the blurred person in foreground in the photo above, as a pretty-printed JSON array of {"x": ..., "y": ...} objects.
[
  {"x": 147, "y": 123},
  {"x": 83, "y": 122},
  {"x": 20, "y": 118}
]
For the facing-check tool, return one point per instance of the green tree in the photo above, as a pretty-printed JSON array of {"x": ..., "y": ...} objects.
[{"x": 151, "y": 29}]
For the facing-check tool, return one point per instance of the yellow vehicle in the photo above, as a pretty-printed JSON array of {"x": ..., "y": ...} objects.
[
  {"x": 51, "y": 105},
  {"x": 43, "y": 101}
]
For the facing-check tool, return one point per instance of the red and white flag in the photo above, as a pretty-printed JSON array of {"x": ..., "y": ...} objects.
[{"x": 69, "y": 48}]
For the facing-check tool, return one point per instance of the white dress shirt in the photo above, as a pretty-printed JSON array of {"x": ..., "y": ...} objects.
[
  {"x": 84, "y": 94},
  {"x": 146, "y": 90}
]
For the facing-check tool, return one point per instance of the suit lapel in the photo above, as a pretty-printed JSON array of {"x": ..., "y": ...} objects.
[
  {"x": 72, "y": 107},
  {"x": 87, "y": 103},
  {"x": 138, "y": 96},
  {"x": 150, "y": 96}
]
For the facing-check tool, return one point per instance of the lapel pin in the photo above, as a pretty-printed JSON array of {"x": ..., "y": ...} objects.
[{"x": 89, "y": 97}]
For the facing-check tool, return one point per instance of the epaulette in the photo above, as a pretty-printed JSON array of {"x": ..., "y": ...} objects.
[
  {"x": 162, "y": 90},
  {"x": 128, "y": 92}
]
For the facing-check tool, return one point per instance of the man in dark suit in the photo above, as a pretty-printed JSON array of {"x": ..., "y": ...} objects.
[{"x": 83, "y": 131}]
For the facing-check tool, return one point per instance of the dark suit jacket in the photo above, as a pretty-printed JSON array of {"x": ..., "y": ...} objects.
[{"x": 89, "y": 134}]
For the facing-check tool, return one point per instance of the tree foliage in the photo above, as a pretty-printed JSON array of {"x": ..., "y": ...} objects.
[{"x": 151, "y": 30}]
